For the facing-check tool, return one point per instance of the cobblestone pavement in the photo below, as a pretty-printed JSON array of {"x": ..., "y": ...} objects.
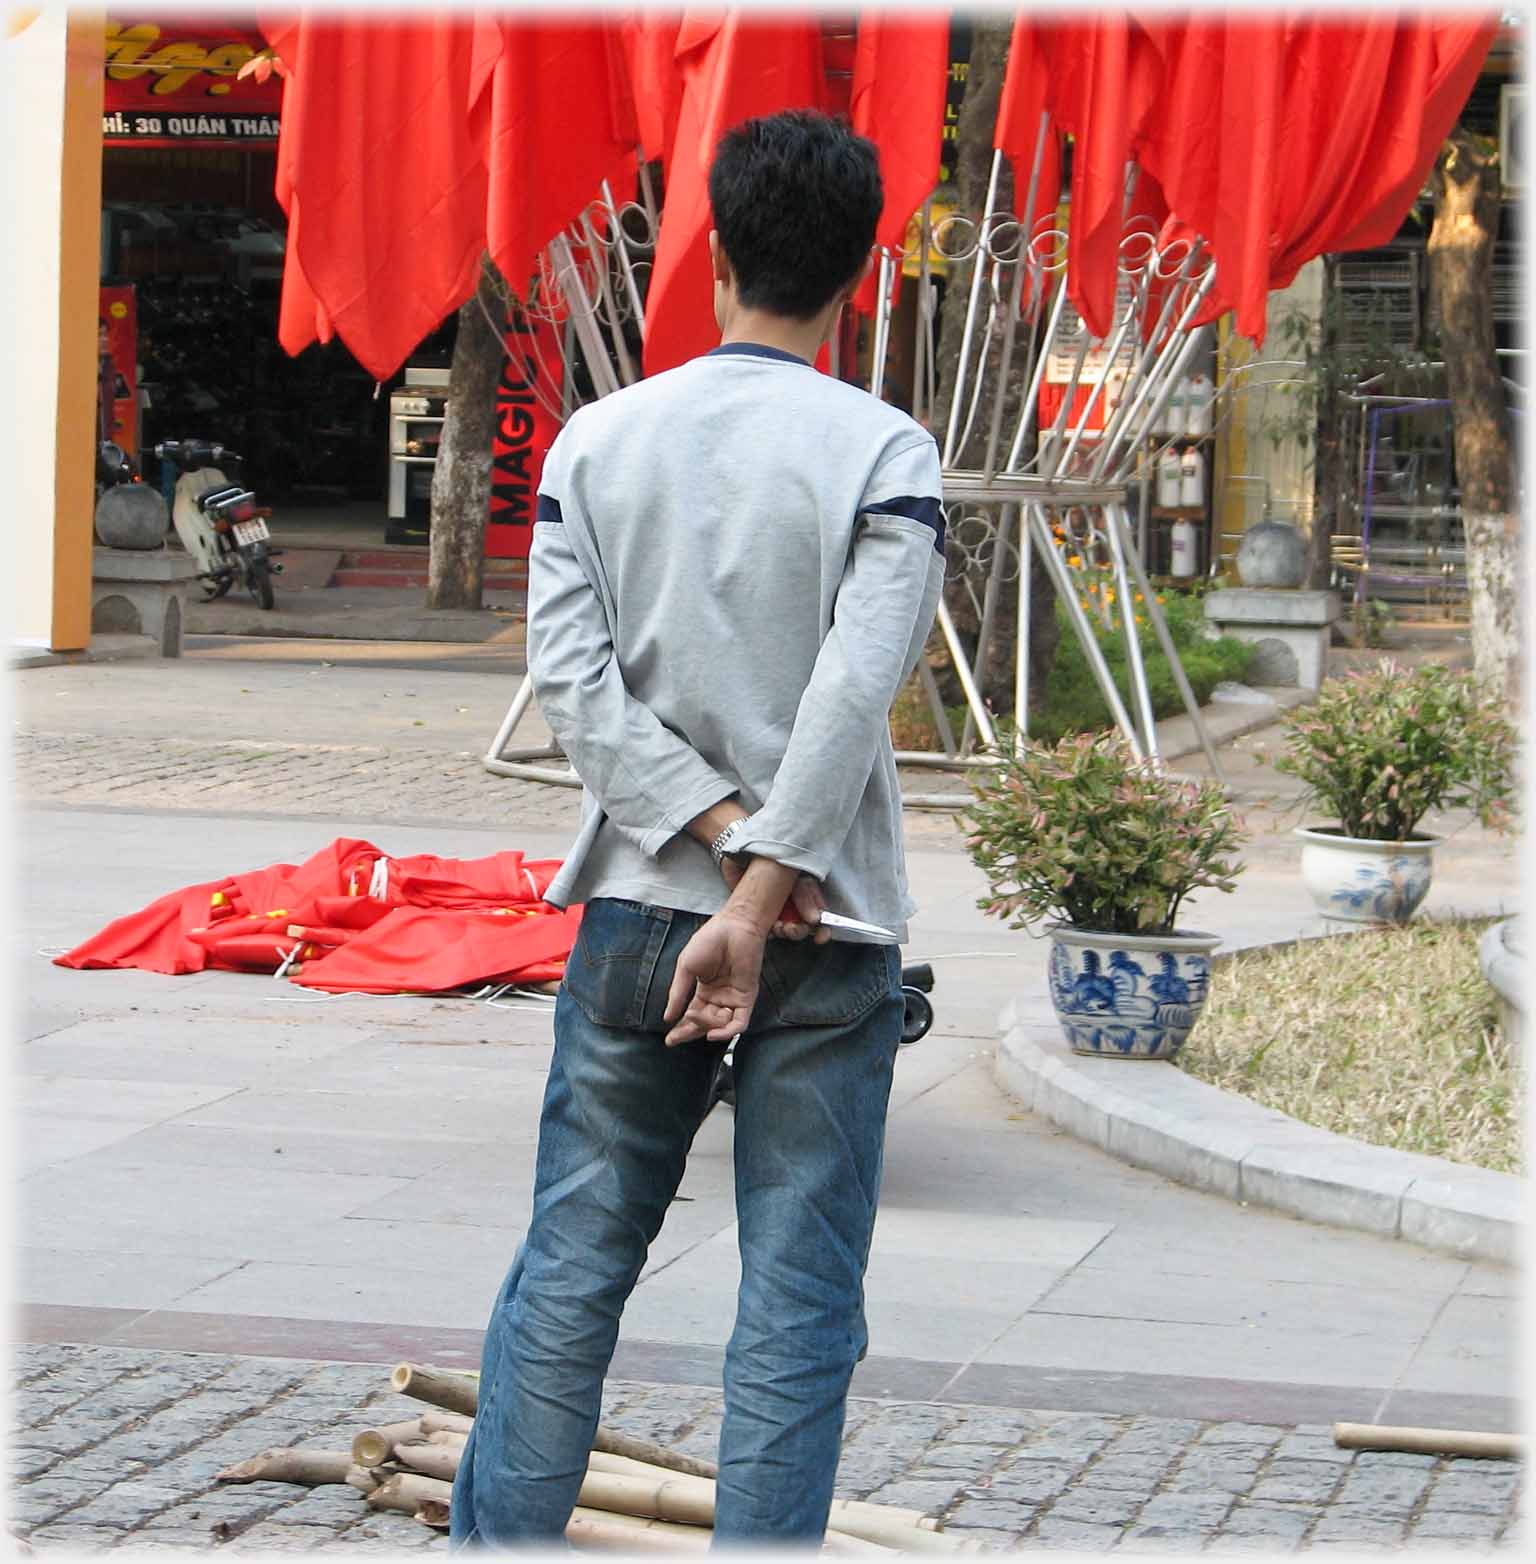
[
  {"x": 119, "y": 1447},
  {"x": 362, "y": 782}
]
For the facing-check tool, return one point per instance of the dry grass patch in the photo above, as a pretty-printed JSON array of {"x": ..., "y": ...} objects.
[{"x": 1389, "y": 1035}]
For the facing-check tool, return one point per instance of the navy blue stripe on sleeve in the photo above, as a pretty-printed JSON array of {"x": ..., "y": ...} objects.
[
  {"x": 549, "y": 510},
  {"x": 914, "y": 507}
]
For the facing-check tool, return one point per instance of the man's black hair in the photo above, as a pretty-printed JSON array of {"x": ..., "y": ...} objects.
[{"x": 796, "y": 197}]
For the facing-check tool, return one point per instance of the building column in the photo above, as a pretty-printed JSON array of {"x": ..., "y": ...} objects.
[{"x": 51, "y": 77}]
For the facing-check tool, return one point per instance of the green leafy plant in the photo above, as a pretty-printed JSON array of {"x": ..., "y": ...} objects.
[
  {"x": 1071, "y": 701},
  {"x": 1085, "y": 834},
  {"x": 1379, "y": 750}
]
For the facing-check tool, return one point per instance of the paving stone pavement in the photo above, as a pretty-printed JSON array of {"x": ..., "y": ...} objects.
[
  {"x": 120, "y": 1447},
  {"x": 269, "y": 776}
]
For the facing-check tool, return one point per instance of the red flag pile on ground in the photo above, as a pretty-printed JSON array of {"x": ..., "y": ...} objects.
[
  {"x": 409, "y": 146},
  {"x": 352, "y": 920}
]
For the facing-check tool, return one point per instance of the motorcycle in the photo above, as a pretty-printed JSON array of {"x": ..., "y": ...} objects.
[{"x": 219, "y": 523}]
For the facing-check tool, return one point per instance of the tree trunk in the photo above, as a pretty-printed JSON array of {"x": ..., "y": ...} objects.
[
  {"x": 461, "y": 480},
  {"x": 973, "y": 170},
  {"x": 1466, "y": 185}
]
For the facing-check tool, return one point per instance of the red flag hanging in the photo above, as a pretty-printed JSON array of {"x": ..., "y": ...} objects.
[
  {"x": 1022, "y": 107},
  {"x": 1105, "y": 79},
  {"x": 648, "y": 40},
  {"x": 382, "y": 160},
  {"x": 543, "y": 169},
  {"x": 734, "y": 68},
  {"x": 900, "y": 79},
  {"x": 1429, "y": 79}
]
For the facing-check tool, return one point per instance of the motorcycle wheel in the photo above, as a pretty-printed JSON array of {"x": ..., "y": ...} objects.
[
  {"x": 259, "y": 579},
  {"x": 213, "y": 589},
  {"x": 918, "y": 1017}
]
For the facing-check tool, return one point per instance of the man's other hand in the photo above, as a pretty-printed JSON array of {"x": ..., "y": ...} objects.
[{"x": 715, "y": 985}]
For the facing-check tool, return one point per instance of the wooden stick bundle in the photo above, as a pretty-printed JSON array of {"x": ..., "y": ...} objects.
[{"x": 636, "y": 1495}]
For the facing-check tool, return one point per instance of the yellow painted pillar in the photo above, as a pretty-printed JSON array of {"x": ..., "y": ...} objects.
[{"x": 51, "y": 75}]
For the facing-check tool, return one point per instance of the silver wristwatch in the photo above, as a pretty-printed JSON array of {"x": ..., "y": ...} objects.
[{"x": 723, "y": 845}]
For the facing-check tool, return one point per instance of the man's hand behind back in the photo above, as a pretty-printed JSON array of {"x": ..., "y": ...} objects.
[{"x": 715, "y": 985}]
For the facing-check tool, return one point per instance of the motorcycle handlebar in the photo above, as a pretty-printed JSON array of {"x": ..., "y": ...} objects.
[{"x": 194, "y": 453}]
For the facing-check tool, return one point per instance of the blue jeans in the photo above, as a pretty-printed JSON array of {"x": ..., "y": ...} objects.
[{"x": 813, "y": 1079}]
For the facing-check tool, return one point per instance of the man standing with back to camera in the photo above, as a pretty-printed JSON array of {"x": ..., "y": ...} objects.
[{"x": 735, "y": 566}]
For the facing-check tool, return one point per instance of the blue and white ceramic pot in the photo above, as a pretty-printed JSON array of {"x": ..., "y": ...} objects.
[
  {"x": 1353, "y": 880},
  {"x": 1128, "y": 996}
]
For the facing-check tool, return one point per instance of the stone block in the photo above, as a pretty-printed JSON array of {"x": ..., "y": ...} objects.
[
  {"x": 141, "y": 592},
  {"x": 1288, "y": 629}
]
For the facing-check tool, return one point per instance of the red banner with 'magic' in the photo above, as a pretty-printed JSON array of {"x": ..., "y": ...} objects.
[{"x": 526, "y": 426}]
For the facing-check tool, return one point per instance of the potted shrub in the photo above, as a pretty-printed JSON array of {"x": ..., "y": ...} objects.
[
  {"x": 1104, "y": 849},
  {"x": 1378, "y": 751}
]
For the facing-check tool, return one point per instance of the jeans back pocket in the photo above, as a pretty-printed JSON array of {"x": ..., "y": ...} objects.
[
  {"x": 805, "y": 984},
  {"x": 612, "y": 973}
]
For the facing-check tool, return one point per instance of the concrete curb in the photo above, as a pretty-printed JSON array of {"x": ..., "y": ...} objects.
[{"x": 1151, "y": 1114}]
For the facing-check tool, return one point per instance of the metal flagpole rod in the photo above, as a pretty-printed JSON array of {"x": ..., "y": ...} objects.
[
  {"x": 882, "y": 344},
  {"x": 957, "y": 401},
  {"x": 920, "y": 321},
  {"x": 1159, "y": 385},
  {"x": 1091, "y": 648},
  {"x": 1111, "y": 354},
  {"x": 1021, "y": 642},
  {"x": 598, "y": 365},
  {"x": 1029, "y": 408},
  {"x": 989, "y": 605},
  {"x": 1140, "y": 690},
  {"x": 1012, "y": 275},
  {"x": 1050, "y": 460},
  {"x": 936, "y": 707},
  {"x": 963, "y": 673},
  {"x": 610, "y": 314},
  {"x": 1158, "y": 399},
  {"x": 631, "y": 287},
  {"x": 1148, "y": 355},
  {"x": 1118, "y": 520}
]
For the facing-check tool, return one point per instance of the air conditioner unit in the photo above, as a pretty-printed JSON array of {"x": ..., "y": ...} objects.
[{"x": 1512, "y": 147}]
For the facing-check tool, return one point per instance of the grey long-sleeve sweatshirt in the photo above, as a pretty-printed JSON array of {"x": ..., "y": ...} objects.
[{"x": 735, "y": 566}]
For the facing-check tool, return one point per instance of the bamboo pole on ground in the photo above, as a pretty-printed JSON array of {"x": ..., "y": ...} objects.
[
  {"x": 459, "y": 1393},
  {"x": 363, "y": 1478},
  {"x": 448, "y": 1439},
  {"x": 1429, "y": 1441},
  {"x": 406, "y": 1492},
  {"x": 313, "y": 1468},
  {"x": 617, "y": 1485},
  {"x": 629, "y": 1533},
  {"x": 611, "y": 1442},
  {"x": 433, "y": 1513},
  {"x": 440, "y": 1461},
  {"x": 439, "y": 1422},
  {"x": 374, "y": 1446},
  {"x": 455, "y": 1392}
]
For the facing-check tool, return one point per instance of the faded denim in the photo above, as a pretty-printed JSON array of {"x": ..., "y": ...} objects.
[{"x": 813, "y": 1078}]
